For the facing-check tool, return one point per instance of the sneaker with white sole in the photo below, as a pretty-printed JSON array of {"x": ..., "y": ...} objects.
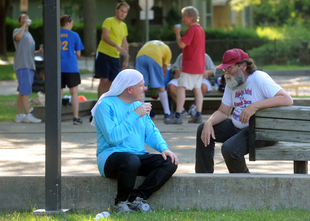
[
  {"x": 77, "y": 121},
  {"x": 140, "y": 205},
  {"x": 122, "y": 207},
  {"x": 173, "y": 120},
  {"x": 31, "y": 119},
  {"x": 19, "y": 118},
  {"x": 196, "y": 120}
]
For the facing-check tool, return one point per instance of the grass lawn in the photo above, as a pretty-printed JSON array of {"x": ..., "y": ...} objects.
[
  {"x": 8, "y": 105},
  {"x": 7, "y": 72},
  {"x": 191, "y": 214}
]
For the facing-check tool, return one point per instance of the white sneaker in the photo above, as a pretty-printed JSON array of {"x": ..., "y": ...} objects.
[
  {"x": 31, "y": 119},
  {"x": 19, "y": 118}
]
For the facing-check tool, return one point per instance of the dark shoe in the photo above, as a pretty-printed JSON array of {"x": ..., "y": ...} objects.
[
  {"x": 77, "y": 121},
  {"x": 196, "y": 120},
  {"x": 140, "y": 205},
  {"x": 152, "y": 114},
  {"x": 168, "y": 116},
  {"x": 173, "y": 120}
]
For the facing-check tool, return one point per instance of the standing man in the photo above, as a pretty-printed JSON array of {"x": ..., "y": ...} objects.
[
  {"x": 24, "y": 67},
  {"x": 152, "y": 61},
  {"x": 193, "y": 63},
  {"x": 247, "y": 90},
  {"x": 123, "y": 127},
  {"x": 112, "y": 45},
  {"x": 71, "y": 46},
  {"x": 172, "y": 88}
]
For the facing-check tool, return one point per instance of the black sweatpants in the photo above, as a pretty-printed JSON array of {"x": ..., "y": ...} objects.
[{"x": 125, "y": 167}]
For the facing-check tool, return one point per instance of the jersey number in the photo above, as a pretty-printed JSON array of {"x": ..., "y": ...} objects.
[{"x": 64, "y": 45}]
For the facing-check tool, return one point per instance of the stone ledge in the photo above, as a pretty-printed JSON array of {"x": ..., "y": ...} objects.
[
  {"x": 66, "y": 110},
  {"x": 182, "y": 191}
]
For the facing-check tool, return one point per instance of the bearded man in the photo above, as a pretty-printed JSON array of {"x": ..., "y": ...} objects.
[{"x": 247, "y": 90}]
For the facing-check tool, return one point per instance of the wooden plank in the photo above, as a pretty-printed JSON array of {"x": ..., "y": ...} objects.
[
  {"x": 282, "y": 124},
  {"x": 212, "y": 93},
  {"x": 276, "y": 135},
  {"x": 290, "y": 112},
  {"x": 284, "y": 151}
]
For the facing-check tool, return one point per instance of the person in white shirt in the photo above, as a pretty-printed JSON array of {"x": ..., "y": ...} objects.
[{"x": 247, "y": 90}]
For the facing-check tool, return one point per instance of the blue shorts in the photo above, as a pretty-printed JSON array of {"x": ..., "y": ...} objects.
[
  {"x": 25, "y": 78},
  {"x": 152, "y": 72},
  {"x": 106, "y": 66}
]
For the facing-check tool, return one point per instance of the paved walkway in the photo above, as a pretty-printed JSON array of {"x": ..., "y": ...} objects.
[{"x": 22, "y": 146}]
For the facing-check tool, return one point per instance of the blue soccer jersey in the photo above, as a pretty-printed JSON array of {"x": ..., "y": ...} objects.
[{"x": 70, "y": 43}]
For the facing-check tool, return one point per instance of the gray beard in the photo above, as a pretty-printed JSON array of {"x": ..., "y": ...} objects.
[{"x": 234, "y": 81}]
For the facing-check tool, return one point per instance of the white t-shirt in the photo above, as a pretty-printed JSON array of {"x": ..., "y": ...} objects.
[{"x": 259, "y": 86}]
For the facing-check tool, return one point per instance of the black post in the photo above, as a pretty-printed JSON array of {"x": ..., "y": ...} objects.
[
  {"x": 51, "y": 18},
  {"x": 52, "y": 105},
  {"x": 252, "y": 139}
]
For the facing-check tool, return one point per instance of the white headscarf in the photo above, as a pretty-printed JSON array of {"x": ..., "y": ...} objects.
[{"x": 124, "y": 79}]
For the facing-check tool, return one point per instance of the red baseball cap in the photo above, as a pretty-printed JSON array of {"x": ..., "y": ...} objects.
[{"x": 232, "y": 57}]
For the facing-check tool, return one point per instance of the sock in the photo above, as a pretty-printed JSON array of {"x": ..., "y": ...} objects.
[
  {"x": 163, "y": 97},
  {"x": 198, "y": 114},
  {"x": 177, "y": 115}
]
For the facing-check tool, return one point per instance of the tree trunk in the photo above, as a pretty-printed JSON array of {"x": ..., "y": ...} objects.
[
  {"x": 4, "y": 8},
  {"x": 90, "y": 35}
]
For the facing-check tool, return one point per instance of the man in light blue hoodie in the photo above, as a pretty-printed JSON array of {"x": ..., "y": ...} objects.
[{"x": 123, "y": 127}]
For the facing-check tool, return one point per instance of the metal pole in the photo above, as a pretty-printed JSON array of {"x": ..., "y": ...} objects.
[
  {"x": 52, "y": 45},
  {"x": 147, "y": 20},
  {"x": 52, "y": 105}
]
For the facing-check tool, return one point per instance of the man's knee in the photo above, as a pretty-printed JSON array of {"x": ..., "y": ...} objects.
[
  {"x": 132, "y": 164},
  {"x": 227, "y": 151},
  {"x": 200, "y": 128},
  {"x": 103, "y": 80},
  {"x": 171, "y": 167}
]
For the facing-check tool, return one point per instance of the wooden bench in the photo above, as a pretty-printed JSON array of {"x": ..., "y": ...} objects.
[
  {"x": 290, "y": 125},
  {"x": 211, "y": 101}
]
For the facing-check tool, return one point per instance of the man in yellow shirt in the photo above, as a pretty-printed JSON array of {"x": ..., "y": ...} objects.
[
  {"x": 152, "y": 61},
  {"x": 112, "y": 45}
]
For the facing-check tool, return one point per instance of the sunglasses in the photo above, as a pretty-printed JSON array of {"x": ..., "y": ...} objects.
[{"x": 229, "y": 68}]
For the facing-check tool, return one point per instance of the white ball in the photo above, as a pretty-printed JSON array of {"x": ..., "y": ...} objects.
[{"x": 102, "y": 215}]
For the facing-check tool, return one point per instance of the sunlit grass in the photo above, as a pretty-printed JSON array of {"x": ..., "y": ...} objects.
[
  {"x": 8, "y": 104},
  {"x": 190, "y": 214}
]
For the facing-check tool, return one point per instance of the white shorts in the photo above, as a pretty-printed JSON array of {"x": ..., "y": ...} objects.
[{"x": 174, "y": 81}]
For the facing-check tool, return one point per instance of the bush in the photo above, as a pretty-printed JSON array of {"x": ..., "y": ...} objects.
[{"x": 280, "y": 52}]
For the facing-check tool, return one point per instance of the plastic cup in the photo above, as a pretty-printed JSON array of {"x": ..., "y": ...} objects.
[{"x": 178, "y": 25}]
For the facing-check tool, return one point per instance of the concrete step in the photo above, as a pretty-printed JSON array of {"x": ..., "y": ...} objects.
[{"x": 182, "y": 191}]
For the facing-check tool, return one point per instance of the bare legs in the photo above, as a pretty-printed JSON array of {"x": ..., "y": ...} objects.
[
  {"x": 104, "y": 86},
  {"x": 22, "y": 103}
]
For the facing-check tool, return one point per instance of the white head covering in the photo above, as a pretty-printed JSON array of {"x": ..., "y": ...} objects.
[{"x": 124, "y": 79}]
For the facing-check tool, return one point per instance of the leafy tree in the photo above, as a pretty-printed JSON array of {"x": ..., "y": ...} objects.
[{"x": 4, "y": 9}]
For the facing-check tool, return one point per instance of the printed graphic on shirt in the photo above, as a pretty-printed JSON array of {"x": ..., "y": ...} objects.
[{"x": 242, "y": 99}]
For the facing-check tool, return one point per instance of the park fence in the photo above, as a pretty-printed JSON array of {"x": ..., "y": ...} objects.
[{"x": 263, "y": 51}]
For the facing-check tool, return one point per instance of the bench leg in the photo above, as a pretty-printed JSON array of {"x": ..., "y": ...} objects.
[{"x": 301, "y": 167}]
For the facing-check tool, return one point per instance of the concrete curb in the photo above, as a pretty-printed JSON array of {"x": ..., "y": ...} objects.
[{"x": 182, "y": 191}]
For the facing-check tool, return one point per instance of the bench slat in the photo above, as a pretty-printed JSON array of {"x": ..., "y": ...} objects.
[
  {"x": 290, "y": 112},
  {"x": 284, "y": 151},
  {"x": 277, "y": 135},
  {"x": 282, "y": 124}
]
